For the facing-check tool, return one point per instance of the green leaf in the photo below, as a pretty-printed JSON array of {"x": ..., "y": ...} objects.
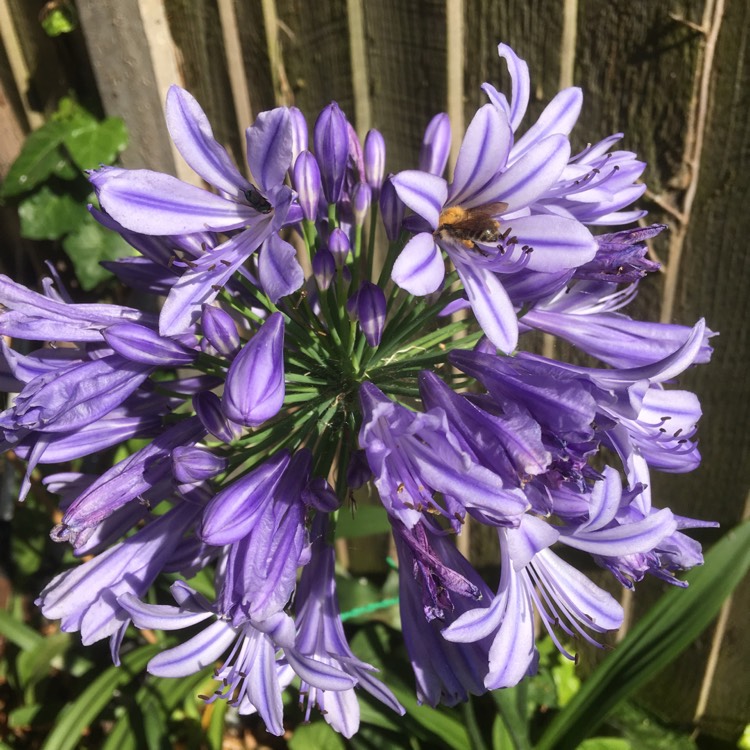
[
  {"x": 26, "y": 638},
  {"x": 316, "y": 736},
  {"x": 88, "y": 245},
  {"x": 35, "y": 664},
  {"x": 60, "y": 19},
  {"x": 91, "y": 143},
  {"x": 677, "y": 619},
  {"x": 23, "y": 716},
  {"x": 76, "y": 716},
  {"x": 40, "y": 157},
  {"x": 48, "y": 216},
  {"x": 511, "y": 707},
  {"x": 215, "y": 729},
  {"x": 605, "y": 743}
]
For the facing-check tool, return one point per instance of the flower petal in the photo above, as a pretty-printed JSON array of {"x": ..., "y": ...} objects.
[
  {"x": 557, "y": 243},
  {"x": 192, "y": 134},
  {"x": 484, "y": 152},
  {"x": 419, "y": 268},
  {"x": 559, "y": 116},
  {"x": 532, "y": 174},
  {"x": 491, "y": 305},
  {"x": 425, "y": 194},
  {"x": 269, "y": 147},
  {"x": 280, "y": 273},
  {"x": 155, "y": 203},
  {"x": 195, "y": 654}
]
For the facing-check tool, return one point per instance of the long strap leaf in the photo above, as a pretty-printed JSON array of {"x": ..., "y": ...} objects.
[{"x": 679, "y": 617}]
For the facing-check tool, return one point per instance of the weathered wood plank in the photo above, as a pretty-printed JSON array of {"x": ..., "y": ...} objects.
[{"x": 125, "y": 76}]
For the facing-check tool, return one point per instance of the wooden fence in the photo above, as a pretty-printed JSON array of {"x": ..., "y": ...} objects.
[{"x": 674, "y": 75}]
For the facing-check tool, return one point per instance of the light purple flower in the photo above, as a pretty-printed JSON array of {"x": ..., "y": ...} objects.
[{"x": 154, "y": 203}]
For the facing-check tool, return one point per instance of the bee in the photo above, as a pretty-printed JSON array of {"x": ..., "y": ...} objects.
[
  {"x": 470, "y": 225},
  {"x": 257, "y": 201}
]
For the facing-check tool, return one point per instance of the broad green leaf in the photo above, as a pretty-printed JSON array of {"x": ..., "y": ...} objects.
[
  {"x": 158, "y": 696},
  {"x": 40, "y": 157},
  {"x": 48, "y": 216},
  {"x": 35, "y": 664},
  {"x": 316, "y": 736},
  {"x": 23, "y": 636},
  {"x": 605, "y": 743},
  {"x": 78, "y": 715},
  {"x": 23, "y": 716},
  {"x": 89, "y": 244},
  {"x": 91, "y": 143},
  {"x": 677, "y": 619}
]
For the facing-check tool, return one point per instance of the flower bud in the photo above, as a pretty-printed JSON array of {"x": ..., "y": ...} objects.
[
  {"x": 371, "y": 308},
  {"x": 391, "y": 209},
  {"x": 338, "y": 244},
  {"x": 331, "y": 138},
  {"x": 254, "y": 389},
  {"x": 361, "y": 202},
  {"x": 320, "y": 495},
  {"x": 299, "y": 132},
  {"x": 374, "y": 161},
  {"x": 207, "y": 406},
  {"x": 324, "y": 268},
  {"x": 191, "y": 464},
  {"x": 436, "y": 145},
  {"x": 307, "y": 184},
  {"x": 358, "y": 472},
  {"x": 220, "y": 330}
]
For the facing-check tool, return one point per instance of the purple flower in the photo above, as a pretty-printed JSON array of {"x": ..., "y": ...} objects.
[
  {"x": 320, "y": 635},
  {"x": 533, "y": 578},
  {"x": 541, "y": 242},
  {"x": 154, "y": 203},
  {"x": 85, "y": 597},
  {"x": 413, "y": 456},
  {"x": 371, "y": 312},
  {"x": 262, "y": 658},
  {"x": 430, "y": 567}
]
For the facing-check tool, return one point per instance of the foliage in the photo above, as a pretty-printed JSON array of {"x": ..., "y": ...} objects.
[{"x": 48, "y": 183}]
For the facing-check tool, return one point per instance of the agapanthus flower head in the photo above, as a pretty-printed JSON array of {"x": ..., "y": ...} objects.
[{"x": 278, "y": 378}]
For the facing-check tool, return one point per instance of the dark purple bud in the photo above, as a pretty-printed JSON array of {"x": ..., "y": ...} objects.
[
  {"x": 191, "y": 464},
  {"x": 220, "y": 330},
  {"x": 324, "y": 268},
  {"x": 207, "y": 406},
  {"x": 374, "y": 161},
  {"x": 371, "y": 307},
  {"x": 307, "y": 184},
  {"x": 140, "y": 344},
  {"x": 331, "y": 138},
  {"x": 338, "y": 244},
  {"x": 358, "y": 472},
  {"x": 352, "y": 308},
  {"x": 320, "y": 495},
  {"x": 361, "y": 202},
  {"x": 436, "y": 145},
  {"x": 299, "y": 132},
  {"x": 391, "y": 209},
  {"x": 254, "y": 390}
]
